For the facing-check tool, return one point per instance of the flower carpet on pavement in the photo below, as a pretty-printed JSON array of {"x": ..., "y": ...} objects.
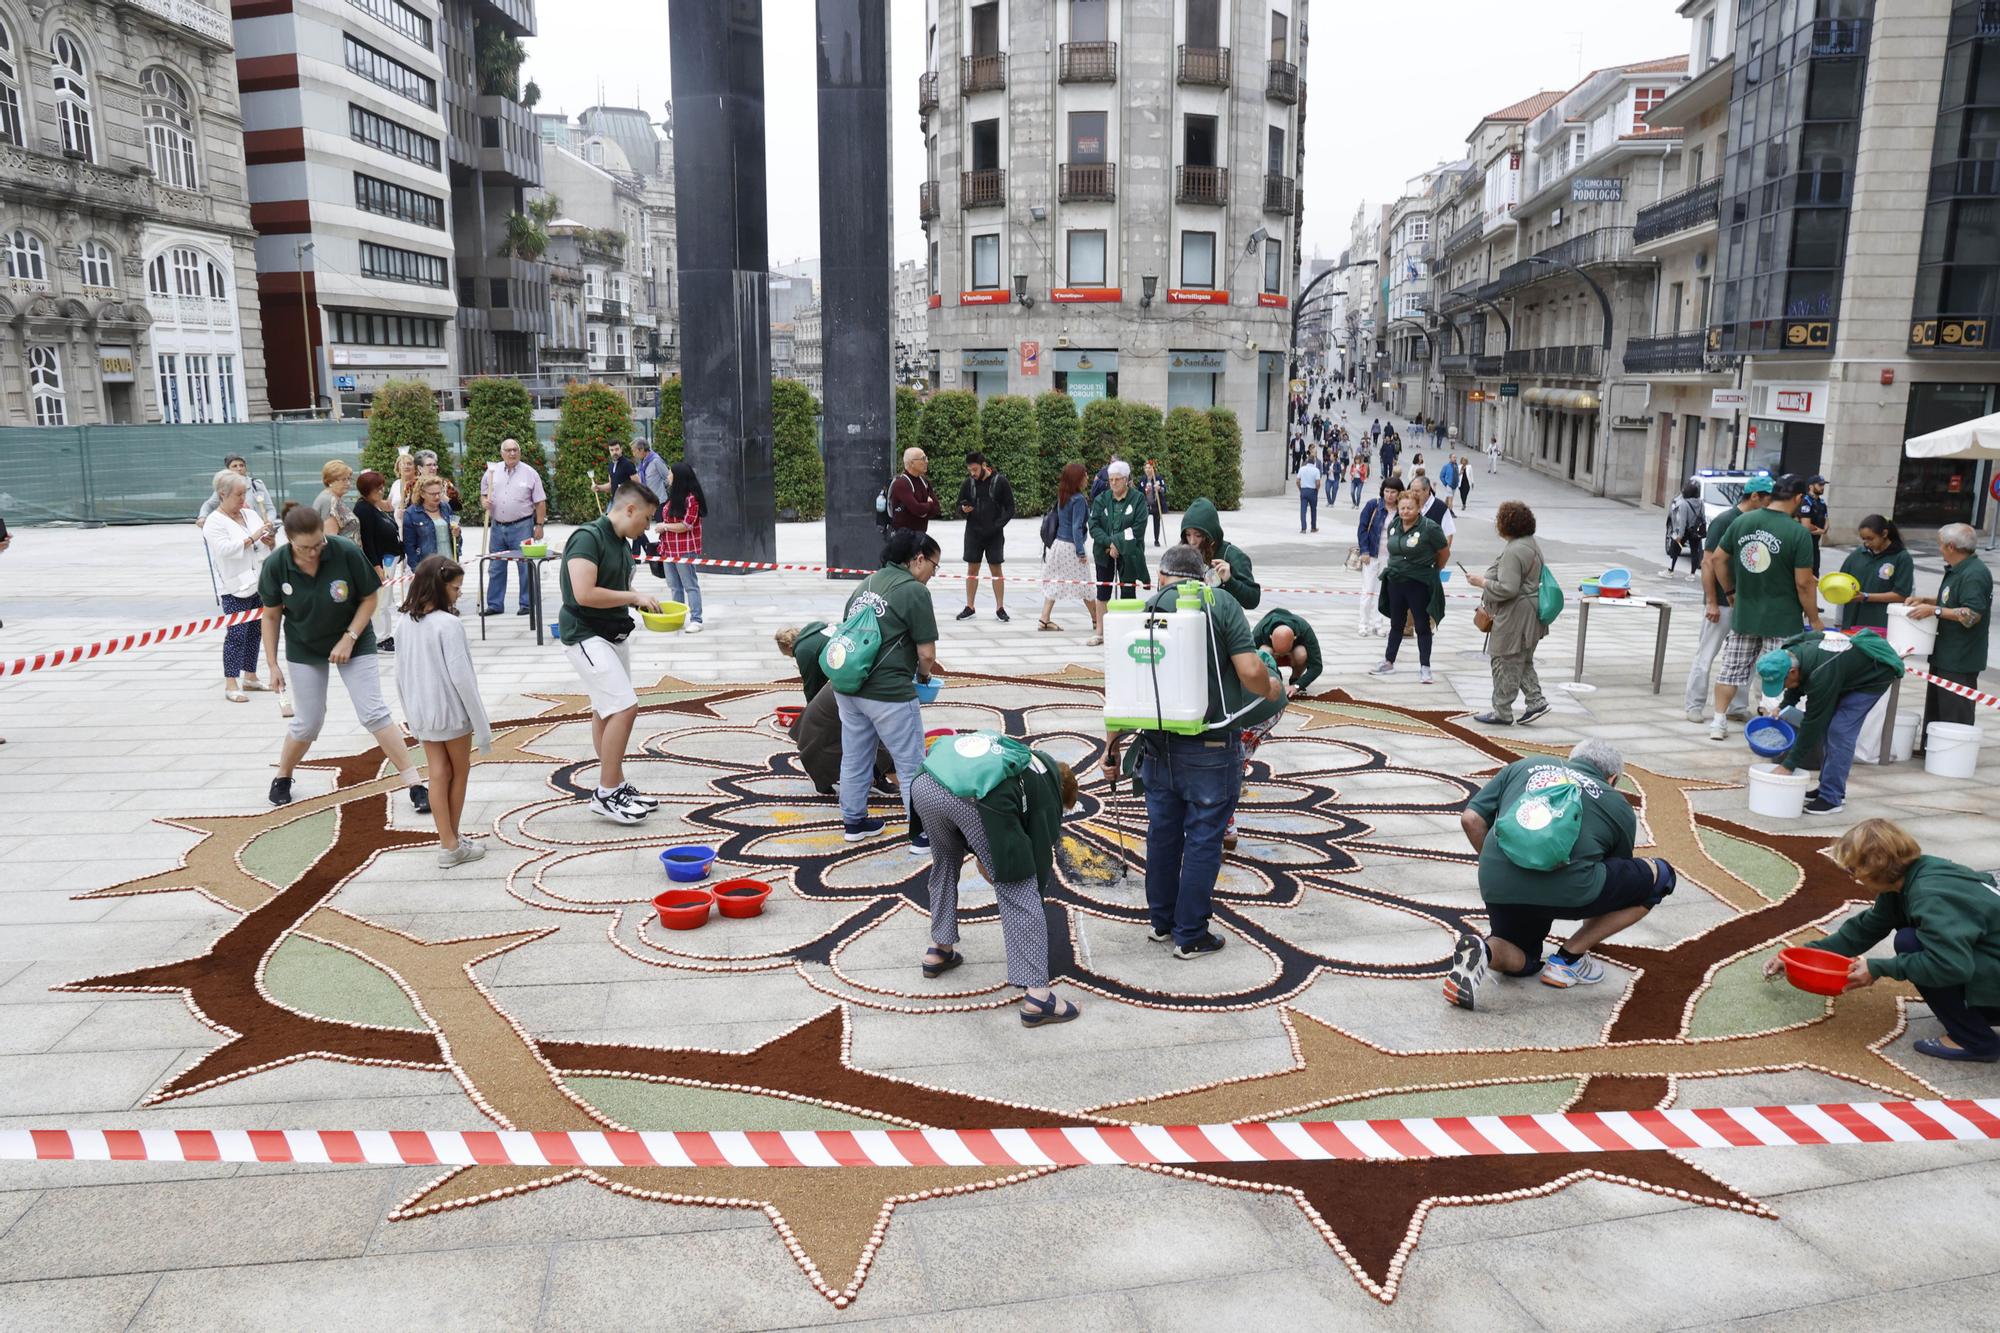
[{"x": 1351, "y": 873}]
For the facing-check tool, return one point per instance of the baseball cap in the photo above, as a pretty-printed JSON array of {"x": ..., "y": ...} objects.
[
  {"x": 1815, "y": 480},
  {"x": 1757, "y": 485},
  {"x": 1773, "y": 667},
  {"x": 1789, "y": 485}
]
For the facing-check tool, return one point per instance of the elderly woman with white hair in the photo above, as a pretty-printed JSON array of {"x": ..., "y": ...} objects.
[
  {"x": 1555, "y": 840},
  {"x": 238, "y": 540},
  {"x": 1118, "y": 534},
  {"x": 1963, "y": 604}
]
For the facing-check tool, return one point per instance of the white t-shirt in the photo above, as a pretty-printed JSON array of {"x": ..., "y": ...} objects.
[{"x": 1309, "y": 476}]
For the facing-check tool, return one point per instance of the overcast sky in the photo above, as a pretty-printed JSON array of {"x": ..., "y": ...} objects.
[{"x": 1396, "y": 87}]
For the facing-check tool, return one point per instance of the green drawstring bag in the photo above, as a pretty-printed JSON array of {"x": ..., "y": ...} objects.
[
  {"x": 1539, "y": 830},
  {"x": 1548, "y": 598},
  {"x": 973, "y": 764}
]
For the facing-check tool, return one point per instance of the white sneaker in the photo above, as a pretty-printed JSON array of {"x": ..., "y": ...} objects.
[
  {"x": 692, "y": 627},
  {"x": 1718, "y": 729},
  {"x": 1698, "y": 715},
  {"x": 1585, "y": 971},
  {"x": 615, "y": 809},
  {"x": 1469, "y": 963},
  {"x": 1384, "y": 669},
  {"x": 1423, "y": 675},
  {"x": 459, "y": 855}
]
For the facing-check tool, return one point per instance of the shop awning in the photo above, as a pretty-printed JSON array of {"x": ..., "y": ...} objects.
[{"x": 1968, "y": 439}]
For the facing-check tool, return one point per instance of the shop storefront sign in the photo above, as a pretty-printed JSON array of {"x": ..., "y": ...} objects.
[
  {"x": 1210, "y": 362},
  {"x": 983, "y": 358}
]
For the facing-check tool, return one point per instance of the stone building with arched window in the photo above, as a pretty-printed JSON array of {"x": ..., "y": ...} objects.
[{"x": 128, "y": 279}]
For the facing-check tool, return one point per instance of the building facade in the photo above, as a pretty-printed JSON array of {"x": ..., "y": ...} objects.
[
  {"x": 602, "y": 207},
  {"x": 648, "y": 150},
  {"x": 130, "y": 272},
  {"x": 912, "y": 314},
  {"x": 1111, "y": 205},
  {"x": 807, "y": 357}
]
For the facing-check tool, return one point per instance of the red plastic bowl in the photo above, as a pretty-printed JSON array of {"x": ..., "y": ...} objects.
[
  {"x": 936, "y": 734},
  {"x": 683, "y": 909},
  {"x": 788, "y": 715},
  {"x": 1817, "y": 970},
  {"x": 741, "y": 897}
]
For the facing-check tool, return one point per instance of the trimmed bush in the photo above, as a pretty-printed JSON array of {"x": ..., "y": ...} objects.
[
  {"x": 1189, "y": 450},
  {"x": 403, "y": 416},
  {"x": 1143, "y": 439},
  {"x": 496, "y": 410},
  {"x": 1007, "y": 425},
  {"x": 593, "y": 416},
  {"x": 909, "y": 411},
  {"x": 798, "y": 474},
  {"x": 1056, "y": 432},
  {"x": 669, "y": 434},
  {"x": 1227, "y": 434},
  {"x": 947, "y": 432},
  {"x": 1101, "y": 432}
]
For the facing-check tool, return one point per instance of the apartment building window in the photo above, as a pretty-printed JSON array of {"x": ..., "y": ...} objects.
[
  {"x": 1274, "y": 150},
  {"x": 1198, "y": 259},
  {"x": 1707, "y": 41},
  {"x": 1198, "y": 141},
  {"x": 618, "y": 342},
  {"x": 1086, "y": 138},
  {"x": 391, "y": 200},
  {"x": 1675, "y": 293},
  {"x": 45, "y": 386},
  {"x": 388, "y": 72},
  {"x": 24, "y": 257},
  {"x": 411, "y": 23},
  {"x": 366, "y": 329},
  {"x": 1088, "y": 21},
  {"x": 934, "y": 268},
  {"x": 70, "y": 77},
  {"x": 169, "y": 113},
  {"x": 10, "y": 90},
  {"x": 1274, "y": 264},
  {"x": 986, "y": 262},
  {"x": 986, "y": 29},
  {"x": 95, "y": 266},
  {"x": 398, "y": 265},
  {"x": 1204, "y": 24},
  {"x": 167, "y": 371},
  {"x": 1958, "y": 279},
  {"x": 378, "y": 131},
  {"x": 1643, "y": 101},
  {"x": 985, "y": 145},
  {"x": 1281, "y": 36},
  {"x": 1086, "y": 259},
  {"x": 225, "y": 383}
]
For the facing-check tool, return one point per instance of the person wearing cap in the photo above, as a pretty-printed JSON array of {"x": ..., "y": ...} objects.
[
  {"x": 1715, "y": 624},
  {"x": 1765, "y": 562},
  {"x": 1963, "y": 607},
  {"x": 1813, "y": 515},
  {"x": 1841, "y": 680}
]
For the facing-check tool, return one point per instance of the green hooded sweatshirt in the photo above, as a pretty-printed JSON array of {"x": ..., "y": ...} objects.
[
  {"x": 812, "y": 640},
  {"x": 1956, "y": 915},
  {"x": 1202, "y": 516},
  {"x": 1022, "y": 817},
  {"x": 1831, "y": 667},
  {"x": 1308, "y": 640}
]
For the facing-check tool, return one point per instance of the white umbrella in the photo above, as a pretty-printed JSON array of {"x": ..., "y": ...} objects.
[{"x": 1975, "y": 439}]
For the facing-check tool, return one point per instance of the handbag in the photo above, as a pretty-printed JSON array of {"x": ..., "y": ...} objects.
[
  {"x": 1482, "y": 620},
  {"x": 1356, "y": 560}
]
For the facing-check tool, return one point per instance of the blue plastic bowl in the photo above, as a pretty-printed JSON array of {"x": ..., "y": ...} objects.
[
  {"x": 687, "y": 864},
  {"x": 1615, "y": 578},
  {"x": 1769, "y": 737},
  {"x": 927, "y": 690}
]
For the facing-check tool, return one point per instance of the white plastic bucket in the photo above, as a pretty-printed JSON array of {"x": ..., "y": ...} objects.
[
  {"x": 1780, "y": 796},
  {"x": 1912, "y": 638},
  {"x": 1902, "y": 740},
  {"x": 1903, "y": 744},
  {"x": 1951, "y": 749}
]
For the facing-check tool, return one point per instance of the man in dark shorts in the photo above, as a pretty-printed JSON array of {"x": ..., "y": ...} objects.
[
  {"x": 1600, "y": 883},
  {"x": 986, "y": 502}
]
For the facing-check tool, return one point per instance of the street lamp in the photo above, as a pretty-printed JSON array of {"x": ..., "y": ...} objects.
[{"x": 1292, "y": 343}]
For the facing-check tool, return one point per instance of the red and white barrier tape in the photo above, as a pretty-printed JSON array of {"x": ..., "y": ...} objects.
[
  {"x": 1089, "y": 1145},
  {"x": 1952, "y": 686},
  {"x": 20, "y": 666}
]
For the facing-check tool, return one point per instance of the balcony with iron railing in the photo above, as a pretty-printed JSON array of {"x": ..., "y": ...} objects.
[
  {"x": 604, "y": 309},
  {"x": 1281, "y": 82},
  {"x": 1456, "y": 363},
  {"x": 927, "y": 93},
  {"x": 1606, "y": 245},
  {"x": 927, "y": 200},
  {"x": 1576, "y": 362},
  {"x": 1089, "y": 62},
  {"x": 1201, "y": 185},
  {"x": 1488, "y": 364},
  {"x": 615, "y": 364},
  {"x": 1685, "y": 211},
  {"x": 985, "y": 187},
  {"x": 1088, "y": 182},
  {"x": 1281, "y": 195},
  {"x": 1675, "y": 354},
  {"x": 982, "y": 74},
  {"x": 1461, "y": 237},
  {"x": 1205, "y": 66},
  {"x": 1838, "y": 37}
]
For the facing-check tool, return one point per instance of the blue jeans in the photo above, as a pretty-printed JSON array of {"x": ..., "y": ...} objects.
[
  {"x": 1190, "y": 795},
  {"x": 899, "y": 727},
  {"x": 1969, "y": 1025},
  {"x": 680, "y": 577},
  {"x": 506, "y": 537},
  {"x": 1357, "y": 492},
  {"x": 1308, "y": 504},
  {"x": 1841, "y": 734}
]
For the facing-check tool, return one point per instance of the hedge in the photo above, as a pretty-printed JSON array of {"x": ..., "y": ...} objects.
[
  {"x": 594, "y": 416},
  {"x": 669, "y": 434},
  {"x": 1056, "y": 432},
  {"x": 1228, "y": 475},
  {"x": 798, "y": 475},
  {"x": 1102, "y": 432},
  {"x": 1007, "y": 429},
  {"x": 947, "y": 432},
  {"x": 496, "y": 410},
  {"x": 1143, "y": 438},
  {"x": 909, "y": 411},
  {"x": 404, "y": 416},
  {"x": 1188, "y": 454}
]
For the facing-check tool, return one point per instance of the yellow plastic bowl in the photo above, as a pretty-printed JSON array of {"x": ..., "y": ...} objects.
[
  {"x": 1839, "y": 589},
  {"x": 670, "y": 617},
  {"x": 535, "y": 550}
]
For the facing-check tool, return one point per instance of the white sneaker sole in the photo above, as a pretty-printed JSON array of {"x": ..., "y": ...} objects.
[{"x": 617, "y": 814}]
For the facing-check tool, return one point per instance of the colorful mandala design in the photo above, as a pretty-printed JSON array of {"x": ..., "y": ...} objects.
[{"x": 298, "y": 977}]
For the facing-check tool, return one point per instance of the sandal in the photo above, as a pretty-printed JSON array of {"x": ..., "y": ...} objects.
[
  {"x": 1094, "y": 641},
  {"x": 236, "y": 696},
  {"x": 1055, "y": 1009},
  {"x": 1051, "y": 627},
  {"x": 947, "y": 960}
]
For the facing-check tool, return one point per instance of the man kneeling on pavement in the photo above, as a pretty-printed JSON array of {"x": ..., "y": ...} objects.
[
  {"x": 1841, "y": 678},
  {"x": 1555, "y": 840}
]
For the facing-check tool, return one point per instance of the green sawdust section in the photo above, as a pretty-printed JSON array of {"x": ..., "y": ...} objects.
[
  {"x": 1494, "y": 1099},
  {"x": 1761, "y": 868},
  {"x": 1740, "y": 1003},
  {"x": 333, "y": 984},
  {"x": 641, "y": 1104},
  {"x": 283, "y": 854}
]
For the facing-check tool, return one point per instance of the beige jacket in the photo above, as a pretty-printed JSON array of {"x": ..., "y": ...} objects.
[{"x": 1511, "y": 597}]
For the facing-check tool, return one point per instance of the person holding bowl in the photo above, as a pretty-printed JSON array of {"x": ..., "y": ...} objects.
[
  {"x": 1945, "y": 918},
  {"x": 1884, "y": 570}
]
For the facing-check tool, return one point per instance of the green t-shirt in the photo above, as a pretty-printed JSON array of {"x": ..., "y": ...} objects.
[
  {"x": 806, "y": 654},
  {"x": 1766, "y": 548},
  {"x": 1413, "y": 551},
  {"x": 1232, "y": 636},
  {"x": 1892, "y": 571},
  {"x": 1969, "y": 583},
  {"x": 1609, "y": 829},
  {"x": 1307, "y": 640},
  {"x": 320, "y": 607},
  {"x": 1718, "y": 531},
  {"x": 599, "y": 543},
  {"x": 903, "y": 609}
]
